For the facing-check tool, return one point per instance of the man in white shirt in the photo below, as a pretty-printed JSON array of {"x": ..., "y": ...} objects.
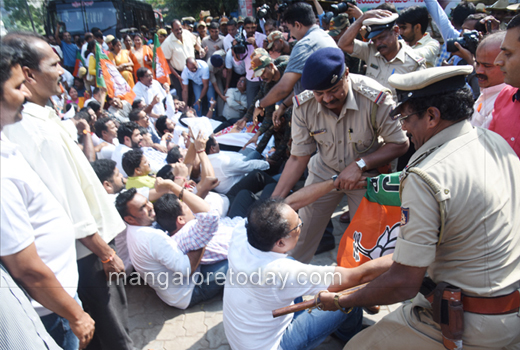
[
  {"x": 166, "y": 264},
  {"x": 106, "y": 130},
  {"x": 232, "y": 32},
  {"x": 129, "y": 137},
  {"x": 230, "y": 167},
  {"x": 413, "y": 22},
  {"x": 236, "y": 101},
  {"x": 262, "y": 278},
  {"x": 490, "y": 79},
  {"x": 47, "y": 146},
  {"x": 198, "y": 72},
  {"x": 178, "y": 46},
  {"x": 120, "y": 109},
  {"x": 35, "y": 230},
  {"x": 235, "y": 69},
  {"x": 153, "y": 94}
]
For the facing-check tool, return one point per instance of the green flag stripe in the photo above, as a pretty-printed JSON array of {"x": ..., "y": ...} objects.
[{"x": 384, "y": 189}]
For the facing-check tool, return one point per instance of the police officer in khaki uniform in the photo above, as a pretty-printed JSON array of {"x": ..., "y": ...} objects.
[
  {"x": 460, "y": 224},
  {"x": 342, "y": 118},
  {"x": 385, "y": 54}
]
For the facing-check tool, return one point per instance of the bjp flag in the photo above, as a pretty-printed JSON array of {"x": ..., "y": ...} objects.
[
  {"x": 108, "y": 76},
  {"x": 79, "y": 63},
  {"x": 160, "y": 67},
  {"x": 373, "y": 231}
]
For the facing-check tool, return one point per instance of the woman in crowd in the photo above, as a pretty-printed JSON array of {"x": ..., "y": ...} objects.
[
  {"x": 142, "y": 55},
  {"x": 74, "y": 97},
  {"x": 121, "y": 58},
  {"x": 127, "y": 39}
]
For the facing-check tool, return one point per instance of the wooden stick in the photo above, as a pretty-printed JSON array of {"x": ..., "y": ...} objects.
[{"x": 310, "y": 303}]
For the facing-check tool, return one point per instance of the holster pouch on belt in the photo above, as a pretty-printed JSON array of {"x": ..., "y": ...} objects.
[{"x": 449, "y": 314}]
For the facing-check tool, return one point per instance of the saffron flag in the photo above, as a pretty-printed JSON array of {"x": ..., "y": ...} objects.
[
  {"x": 108, "y": 76},
  {"x": 373, "y": 231},
  {"x": 160, "y": 67},
  {"x": 79, "y": 63}
]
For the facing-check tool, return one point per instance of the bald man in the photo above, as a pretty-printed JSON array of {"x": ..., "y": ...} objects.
[{"x": 198, "y": 72}]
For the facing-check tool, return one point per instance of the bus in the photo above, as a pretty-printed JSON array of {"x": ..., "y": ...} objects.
[{"x": 110, "y": 16}]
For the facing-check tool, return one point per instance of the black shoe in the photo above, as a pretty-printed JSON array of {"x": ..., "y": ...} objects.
[{"x": 327, "y": 242}]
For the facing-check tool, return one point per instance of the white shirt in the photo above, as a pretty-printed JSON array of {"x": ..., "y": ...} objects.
[
  {"x": 236, "y": 104},
  {"x": 239, "y": 67},
  {"x": 159, "y": 261},
  {"x": 483, "y": 108},
  {"x": 117, "y": 156},
  {"x": 230, "y": 167},
  {"x": 248, "y": 319},
  {"x": 30, "y": 213},
  {"x": 148, "y": 93},
  {"x": 59, "y": 162},
  {"x": 228, "y": 42},
  {"x": 202, "y": 73},
  {"x": 106, "y": 152}
]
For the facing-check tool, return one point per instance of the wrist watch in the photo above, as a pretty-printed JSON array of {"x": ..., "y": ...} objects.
[
  {"x": 257, "y": 104},
  {"x": 334, "y": 177},
  {"x": 361, "y": 164}
]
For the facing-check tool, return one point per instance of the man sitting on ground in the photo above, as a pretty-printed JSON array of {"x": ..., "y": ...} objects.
[
  {"x": 260, "y": 247},
  {"x": 155, "y": 255},
  {"x": 138, "y": 170},
  {"x": 106, "y": 130},
  {"x": 129, "y": 137}
]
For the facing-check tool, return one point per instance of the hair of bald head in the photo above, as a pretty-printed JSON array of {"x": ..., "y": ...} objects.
[{"x": 492, "y": 39}]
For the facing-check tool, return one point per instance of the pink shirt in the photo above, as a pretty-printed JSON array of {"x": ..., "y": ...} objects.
[{"x": 506, "y": 117}]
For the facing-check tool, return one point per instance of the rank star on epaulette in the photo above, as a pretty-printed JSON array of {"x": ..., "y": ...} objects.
[{"x": 368, "y": 90}]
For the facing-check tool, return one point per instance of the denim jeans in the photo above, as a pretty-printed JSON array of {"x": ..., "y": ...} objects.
[
  {"x": 197, "y": 90},
  {"x": 59, "y": 329},
  {"x": 308, "y": 330},
  {"x": 251, "y": 154},
  {"x": 211, "y": 283}
]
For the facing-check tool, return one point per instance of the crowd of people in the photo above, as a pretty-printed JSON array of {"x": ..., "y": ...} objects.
[{"x": 234, "y": 163}]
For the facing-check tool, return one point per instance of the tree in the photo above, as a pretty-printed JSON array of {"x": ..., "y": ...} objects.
[{"x": 18, "y": 17}]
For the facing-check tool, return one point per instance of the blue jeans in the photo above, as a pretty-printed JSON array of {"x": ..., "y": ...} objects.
[
  {"x": 308, "y": 330},
  {"x": 197, "y": 90},
  {"x": 211, "y": 283},
  {"x": 59, "y": 329},
  {"x": 251, "y": 154}
]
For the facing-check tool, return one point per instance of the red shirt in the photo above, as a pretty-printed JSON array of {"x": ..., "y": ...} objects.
[{"x": 506, "y": 117}]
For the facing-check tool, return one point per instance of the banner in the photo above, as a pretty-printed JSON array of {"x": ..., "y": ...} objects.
[
  {"x": 160, "y": 67},
  {"x": 366, "y": 5},
  {"x": 373, "y": 231},
  {"x": 108, "y": 76}
]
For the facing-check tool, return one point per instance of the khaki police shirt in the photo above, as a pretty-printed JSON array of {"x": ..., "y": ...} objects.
[
  {"x": 480, "y": 248},
  {"x": 380, "y": 69},
  {"x": 339, "y": 140}
]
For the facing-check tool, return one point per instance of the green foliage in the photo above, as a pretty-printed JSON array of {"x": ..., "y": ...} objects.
[{"x": 18, "y": 16}]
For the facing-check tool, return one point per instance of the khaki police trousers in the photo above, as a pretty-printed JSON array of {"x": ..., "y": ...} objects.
[
  {"x": 411, "y": 327},
  {"x": 316, "y": 215}
]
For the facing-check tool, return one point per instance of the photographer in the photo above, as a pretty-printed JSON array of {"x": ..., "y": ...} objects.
[
  {"x": 301, "y": 21},
  {"x": 243, "y": 49}
]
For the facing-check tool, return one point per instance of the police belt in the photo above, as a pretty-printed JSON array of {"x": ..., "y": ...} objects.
[{"x": 505, "y": 304}]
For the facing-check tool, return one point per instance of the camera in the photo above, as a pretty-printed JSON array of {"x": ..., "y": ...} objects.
[
  {"x": 262, "y": 11},
  {"x": 342, "y": 7},
  {"x": 240, "y": 48},
  {"x": 468, "y": 40}
]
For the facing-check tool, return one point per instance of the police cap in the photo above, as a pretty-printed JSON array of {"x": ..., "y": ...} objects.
[
  {"x": 323, "y": 69},
  {"x": 376, "y": 26}
]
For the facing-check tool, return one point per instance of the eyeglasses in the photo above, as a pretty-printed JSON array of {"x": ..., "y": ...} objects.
[
  {"x": 297, "y": 227},
  {"x": 399, "y": 117}
]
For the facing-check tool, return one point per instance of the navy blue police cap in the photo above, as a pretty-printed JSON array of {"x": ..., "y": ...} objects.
[{"x": 323, "y": 69}]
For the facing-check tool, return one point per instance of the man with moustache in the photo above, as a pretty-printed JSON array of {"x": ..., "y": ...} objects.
[
  {"x": 31, "y": 220},
  {"x": 490, "y": 79},
  {"x": 384, "y": 54},
  {"x": 506, "y": 120},
  {"x": 47, "y": 145},
  {"x": 342, "y": 118}
]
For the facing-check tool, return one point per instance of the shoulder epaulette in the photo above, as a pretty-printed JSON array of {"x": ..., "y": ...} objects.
[
  {"x": 375, "y": 95},
  {"x": 303, "y": 97}
]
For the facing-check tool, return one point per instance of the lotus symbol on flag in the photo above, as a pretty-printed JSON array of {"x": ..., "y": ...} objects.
[{"x": 385, "y": 243}]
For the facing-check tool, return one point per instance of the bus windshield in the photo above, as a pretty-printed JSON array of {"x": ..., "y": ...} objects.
[{"x": 98, "y": 14}]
